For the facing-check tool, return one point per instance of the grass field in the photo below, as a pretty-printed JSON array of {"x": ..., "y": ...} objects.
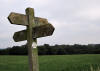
[{"x": 52, "y": 63}]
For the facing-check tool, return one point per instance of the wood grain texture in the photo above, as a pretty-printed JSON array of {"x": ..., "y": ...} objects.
[
  {"x": 37, "y": 32},
  {"x": 18, "y": 19},
  {"x": 31, "y": 54}
]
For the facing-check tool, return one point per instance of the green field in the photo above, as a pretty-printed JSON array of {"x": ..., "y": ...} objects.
[{"x": 52, "y": 63}]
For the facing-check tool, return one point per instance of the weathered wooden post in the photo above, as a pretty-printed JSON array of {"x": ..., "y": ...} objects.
[
  {"x": 30, "y": 40},
  {"x": 35, "y": 55},
  {"x": 36, "y": 28}
]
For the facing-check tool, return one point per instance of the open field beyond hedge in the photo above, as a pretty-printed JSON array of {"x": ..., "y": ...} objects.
[{"x": 52, "y": 63}]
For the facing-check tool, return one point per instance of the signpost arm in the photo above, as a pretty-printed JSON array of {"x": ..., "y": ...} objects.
[{"x": 30, "y": 15}]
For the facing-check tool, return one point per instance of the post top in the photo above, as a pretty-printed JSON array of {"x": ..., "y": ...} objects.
[{"x": 30, "y": 11}]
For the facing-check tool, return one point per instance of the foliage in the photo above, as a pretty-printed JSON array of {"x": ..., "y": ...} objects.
[{"x": 46, "y": 49}]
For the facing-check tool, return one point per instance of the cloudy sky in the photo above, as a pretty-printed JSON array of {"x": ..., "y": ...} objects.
[{"x": 75, "y": 21}]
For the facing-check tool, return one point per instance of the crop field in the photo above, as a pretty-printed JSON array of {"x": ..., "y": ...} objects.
[{"x": 52, "y": 63}]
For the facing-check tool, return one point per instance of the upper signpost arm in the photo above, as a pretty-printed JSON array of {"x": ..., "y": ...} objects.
[{"x": 18, "y": 19}]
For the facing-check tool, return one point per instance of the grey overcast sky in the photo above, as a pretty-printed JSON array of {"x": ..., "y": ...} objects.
[{"x": 75, "y": 21}]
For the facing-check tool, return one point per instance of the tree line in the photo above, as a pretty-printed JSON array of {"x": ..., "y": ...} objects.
[{"x": 46, "y": 49}]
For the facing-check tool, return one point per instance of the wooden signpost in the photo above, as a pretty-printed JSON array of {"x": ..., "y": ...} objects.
[{"x": 36, "y": 27}]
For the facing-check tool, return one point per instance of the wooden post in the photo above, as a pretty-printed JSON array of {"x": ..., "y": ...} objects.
[
  {"x": 31, "y": 53},
  {"x": 29, "y": 37},
  {"x": 35, "y": 55}
]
